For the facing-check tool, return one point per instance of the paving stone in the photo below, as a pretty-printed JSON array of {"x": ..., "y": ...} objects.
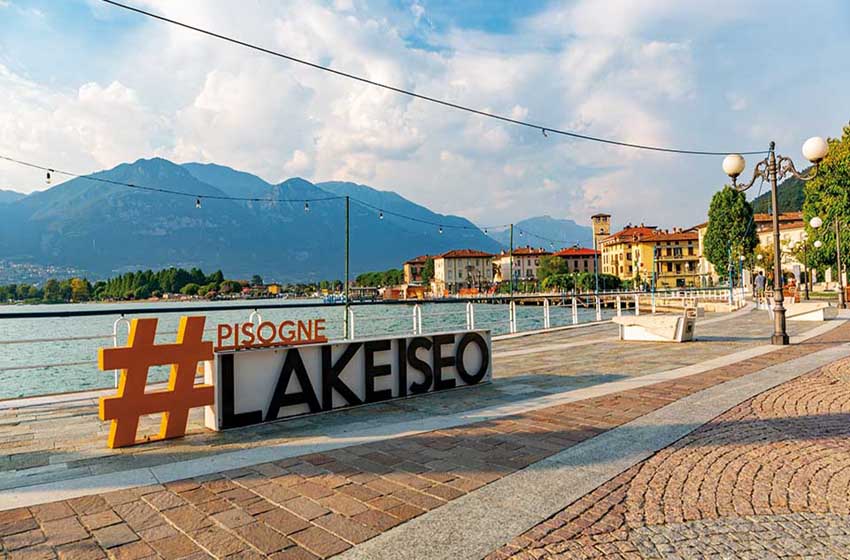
[
  {"x": 306, "y": 508},
  {"x": 97, "y": 520},
  {"x": 187, "y": 518},
  {"x": 283, "y": 521},
  {"x": 52, "y": 511},
  {"x": 133, "y": 551},
  {"x": 293, "y": 553},
  {"x": 22, "y": 540},
  {"x": 217, "y": 542},
  {"x": 174, "y": 547},
  {"x": 263, "y": 537},
  {"x": 233, "y": 517},
  {"x": 64, "y": 530},
  {"x": 320, "y": 542},
  {"x": 345, "y": 528},
  {"x": 115, "y": 535},
  {"x": 86, "y": 549}
]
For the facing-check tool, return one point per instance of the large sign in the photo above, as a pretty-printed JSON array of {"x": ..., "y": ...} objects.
[
  {"x": 258, "y": 385},
  {"x": 272, "y": 371}
]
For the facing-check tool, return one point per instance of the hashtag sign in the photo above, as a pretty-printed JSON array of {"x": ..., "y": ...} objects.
[{"x": 134, "y": 360}]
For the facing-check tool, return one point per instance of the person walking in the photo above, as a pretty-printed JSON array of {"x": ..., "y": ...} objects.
[{"x": 758, "y": 283}]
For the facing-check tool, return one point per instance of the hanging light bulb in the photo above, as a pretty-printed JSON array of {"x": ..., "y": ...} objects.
[
  {"x": 306, "y": 207},
  {"x": 381, "y": 215},
  {"x": 520, "y": 233},
  {"x": 543, "y": 130},
  {"x": 441, "y": 229},
  {"x": 48, "y": 178},
  {"x": 198, "y": 202},
  {"x": 485, "y": 231}
]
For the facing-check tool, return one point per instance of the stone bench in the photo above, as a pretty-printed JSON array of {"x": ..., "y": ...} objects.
[
  {"x": 658, "y": 328},
  {"x": 810, "y": 311}
]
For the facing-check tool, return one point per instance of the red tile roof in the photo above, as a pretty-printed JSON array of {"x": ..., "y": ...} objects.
[
  {"x": 576, "y": 252},
  {"x": 630, "y": 233},
  {"x": 783, "y": 217},
  {"x": 687, "y": 235},
  {"x": 464, "y": 254},
  {"x": 531, "y": 251},
  {"x": 418, "y": 260}
]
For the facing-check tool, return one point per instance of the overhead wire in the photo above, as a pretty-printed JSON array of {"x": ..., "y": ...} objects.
[
  {"x": 198, "y": 196},
  {"x": 545, "y": 129}
]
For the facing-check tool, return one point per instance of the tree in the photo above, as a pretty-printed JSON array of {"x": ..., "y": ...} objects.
[
  {"x": 558, "y": 282},
  {"x": 550, "y": 265},
  {"x": 52, "y": 291},
  {"x": 80, "y": 289},
  {"x": 428, "y": 271},
  {"x": 256, "y": 280},
  {"x": 827, "y": 197},
  {"x": 190, "y": 289},
  {"x": 731, "y": 230}
]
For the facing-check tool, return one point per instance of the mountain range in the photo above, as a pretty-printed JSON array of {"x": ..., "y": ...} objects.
[
  {"x": 105, "y": 229},
  {"x": 546, "y": 232}
]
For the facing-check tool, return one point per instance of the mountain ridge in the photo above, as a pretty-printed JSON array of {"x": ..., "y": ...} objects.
[{"x": 106, "y": 229}]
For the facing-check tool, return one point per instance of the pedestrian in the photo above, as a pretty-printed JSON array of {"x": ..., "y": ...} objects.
[{"x": 759, "y": 285}]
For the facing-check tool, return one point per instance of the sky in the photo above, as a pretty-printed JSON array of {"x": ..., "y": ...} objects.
[{"x": 85, "y": 86}]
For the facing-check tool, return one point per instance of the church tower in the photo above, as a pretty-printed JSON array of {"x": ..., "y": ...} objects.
[{"x": 601, "y": 228}]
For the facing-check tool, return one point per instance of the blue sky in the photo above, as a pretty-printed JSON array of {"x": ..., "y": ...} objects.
[{"x": 86, "y": 86}]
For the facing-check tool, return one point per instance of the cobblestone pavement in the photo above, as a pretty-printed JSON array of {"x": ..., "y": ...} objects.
[
  {"x": 51, "y": 441},
  {"x": 768, "y": 479},
  {"x": 322, "y": 504}
]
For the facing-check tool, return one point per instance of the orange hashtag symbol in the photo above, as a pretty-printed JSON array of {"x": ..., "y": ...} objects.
[{"x": 134, "y": 360}]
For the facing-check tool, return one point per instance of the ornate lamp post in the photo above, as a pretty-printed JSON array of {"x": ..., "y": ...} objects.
[
  {"x": 772, "y": 169},
  {"x": 816, "y": 223}
]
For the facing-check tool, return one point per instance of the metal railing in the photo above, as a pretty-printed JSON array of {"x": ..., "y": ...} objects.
[{"x": 500, "y": 313}]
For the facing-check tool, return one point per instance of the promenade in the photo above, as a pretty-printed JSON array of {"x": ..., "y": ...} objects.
[{"x": 583, "y": 446}]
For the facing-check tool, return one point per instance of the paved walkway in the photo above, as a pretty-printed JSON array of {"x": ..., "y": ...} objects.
[
  {"x": 768, "y": 479},
  {"x": 349, "y": 497},
  {"x": 50, "y": 439}
]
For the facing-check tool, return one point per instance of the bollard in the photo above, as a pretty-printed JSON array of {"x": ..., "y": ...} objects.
[
  {"x": 619, "y": 307},
  {"x": 637, "y": 305},
  {"x": 546, "y": 316},
  {"x": 575, "y": 311},
  {"x": 598, "y": 309}
]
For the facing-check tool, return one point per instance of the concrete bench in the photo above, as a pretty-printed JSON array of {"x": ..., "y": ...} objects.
[
  {"x": 658, "y": 328},
  {"x": 810, "y": 311}
]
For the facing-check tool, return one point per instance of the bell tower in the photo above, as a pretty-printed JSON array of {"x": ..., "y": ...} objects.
[{"x": 601, "y": 228}]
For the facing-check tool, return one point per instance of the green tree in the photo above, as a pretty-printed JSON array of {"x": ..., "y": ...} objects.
[
  {"x": 827, "y": 197},
  {"x": 80, "y": 289},
  {"x": 550, "y": 265},
  {"x": 558, "y": 282},
  {"x": 256, "y": 280},
  {"x": 52, "y": 291},
  {"x": 731, "y": 231},
  {"x": 428, "y": 271},
  {"x": 190, "y": 289}
]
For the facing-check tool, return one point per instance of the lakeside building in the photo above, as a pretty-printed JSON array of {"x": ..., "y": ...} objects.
[
  {"x": 413, "y": 269},
  {"x": 621, "y": 252},
  {"x": 526, "y": 263},
  {"x": 673, "y": 255},
  {"x": 579, "y": 259},
  {"x": 792, "y": 228},
  {"x": 462, "y": 269}
]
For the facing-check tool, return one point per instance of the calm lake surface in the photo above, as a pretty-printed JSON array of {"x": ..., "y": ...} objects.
[{"x": 369, "y": 320}]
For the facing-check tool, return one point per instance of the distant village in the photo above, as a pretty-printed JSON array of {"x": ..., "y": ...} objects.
[{"x": 636, "y": 257}]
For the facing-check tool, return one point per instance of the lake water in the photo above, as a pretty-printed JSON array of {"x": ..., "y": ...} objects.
[{"x": 369, "y": 320}]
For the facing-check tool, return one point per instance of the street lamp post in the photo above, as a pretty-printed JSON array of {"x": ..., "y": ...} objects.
[
  {"x": 773, "y": 169},
  {"x": 816, "y": 223}
]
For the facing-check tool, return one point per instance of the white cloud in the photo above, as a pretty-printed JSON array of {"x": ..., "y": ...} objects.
[{"x": 654, "y": 72}]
